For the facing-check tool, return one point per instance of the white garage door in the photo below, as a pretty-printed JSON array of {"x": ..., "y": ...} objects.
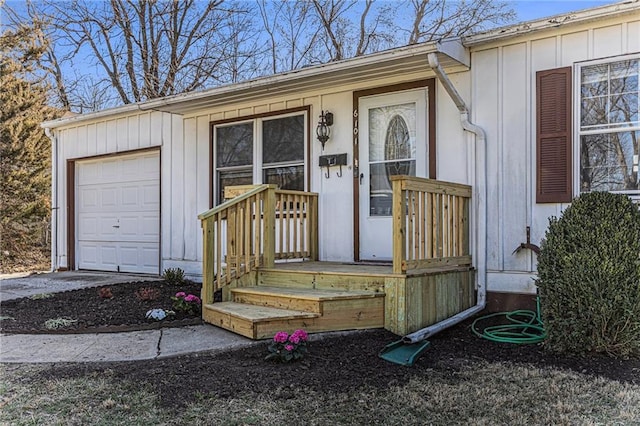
[{"x": 118, "y": 213}]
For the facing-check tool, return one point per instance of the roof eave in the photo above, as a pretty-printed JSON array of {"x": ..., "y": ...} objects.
[
  {"x": 452, "y": 48},
  {"x": 551, "y": 22}
]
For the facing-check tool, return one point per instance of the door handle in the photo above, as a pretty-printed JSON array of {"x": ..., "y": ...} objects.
[
  {"x": 361, "y": 177},
  {"x": 116, "y": 226}
]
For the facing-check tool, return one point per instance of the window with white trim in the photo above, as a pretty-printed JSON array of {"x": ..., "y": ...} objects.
[
  {"x": 261, "y": 150},
  {"x": 609, "y": 125}
]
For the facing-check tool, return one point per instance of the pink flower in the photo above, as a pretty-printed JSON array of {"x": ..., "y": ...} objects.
[
  {"x": 280, "y": 337},
  {"x": 192, "y": 299},
  {"x": 300, "y": 336},
  {"x": 295, "y": 339},
  {"x": 180, "y": 294},
  {"x": 288, "y": 347}
]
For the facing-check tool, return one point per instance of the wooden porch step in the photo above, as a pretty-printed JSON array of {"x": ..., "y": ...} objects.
[
  {"x": 259, "y": 312},
  {"x": 325, "y": 275},
  {"x": 301, "y": 299},
  {"x": 244, "y": 319}
]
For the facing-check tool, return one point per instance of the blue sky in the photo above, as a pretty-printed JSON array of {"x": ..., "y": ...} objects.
[
  {"x": 526, "y": 10},
  {"x": 534, "y": 9}
]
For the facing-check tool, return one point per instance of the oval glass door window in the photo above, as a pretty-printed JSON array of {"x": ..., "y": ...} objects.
[{"x": 399, "y": 159}]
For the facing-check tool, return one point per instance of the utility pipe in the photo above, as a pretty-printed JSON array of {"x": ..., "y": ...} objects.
[
  {"x": 54, "y": 197},
  {"x": 480, "y": 198}
]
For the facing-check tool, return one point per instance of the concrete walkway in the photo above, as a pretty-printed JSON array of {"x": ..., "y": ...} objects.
[
  {"x": 14, "y": 286},
  {"x": 137, "y": 345}
]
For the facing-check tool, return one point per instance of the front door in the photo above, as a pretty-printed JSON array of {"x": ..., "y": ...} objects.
[{"x": 393, "y": 141}]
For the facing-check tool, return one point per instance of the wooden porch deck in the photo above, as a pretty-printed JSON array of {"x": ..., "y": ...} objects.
[
  {"x": 371, "y": 268},
  {"x": 430, "y": 278},
  {"x": 332, "y": 296}
]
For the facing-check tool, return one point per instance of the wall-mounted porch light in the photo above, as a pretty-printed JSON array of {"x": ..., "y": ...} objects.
[{"x": 323, "y": 131}]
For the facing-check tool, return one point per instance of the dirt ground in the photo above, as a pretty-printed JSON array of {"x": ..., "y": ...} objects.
[
  {"x": 95, "y": 312},
  {"x": 334, "y": 364}
]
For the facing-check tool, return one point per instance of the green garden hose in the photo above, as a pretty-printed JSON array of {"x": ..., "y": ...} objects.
[{"x": 524, "y": 327}]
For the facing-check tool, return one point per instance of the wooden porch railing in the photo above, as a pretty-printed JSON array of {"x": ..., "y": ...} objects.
[
  {"x": 254, "y": 229},
  {"x": 430, "y": 223}
]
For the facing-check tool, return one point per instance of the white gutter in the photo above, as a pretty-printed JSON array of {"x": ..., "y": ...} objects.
[
  {"x": 54, "y": 198},
  {"x": 450, "y": 47},
  {"x": 480, "y": 211},
  {"x": 623, "y": 8}
]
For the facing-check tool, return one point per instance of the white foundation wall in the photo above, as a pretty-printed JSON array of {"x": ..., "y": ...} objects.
[
  {"x": 503, "y": 78},
  {"x": 100, "y": 138}
]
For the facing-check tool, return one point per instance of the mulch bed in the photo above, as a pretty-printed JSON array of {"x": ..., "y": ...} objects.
[
  {"x": 95, "y": 312},
  {"x": 338, "y": 364},
  {"x": 334, "y": 364}
]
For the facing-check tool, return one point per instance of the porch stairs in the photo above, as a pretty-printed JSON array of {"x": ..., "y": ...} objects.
[
  {"x": 287, "y": 300},
  {"x": 260, "y": 248}
]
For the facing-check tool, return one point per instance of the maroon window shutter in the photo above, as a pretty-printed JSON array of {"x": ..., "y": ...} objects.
[{"x": 553, "y": 125}]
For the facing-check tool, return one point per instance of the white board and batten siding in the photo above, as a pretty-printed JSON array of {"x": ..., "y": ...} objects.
[
  {"x": 335, "y": 193},
  {"x": 499, "y": 88},
  {"x": 117, "y": 183},
  {"x": 504, "y": 104},
  {"x": 189, "y": 176},
  {"x": 186, "y": 194}
]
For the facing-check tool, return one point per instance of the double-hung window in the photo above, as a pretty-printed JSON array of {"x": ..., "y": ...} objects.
[
  {"x": 609, "y": 125},
  {"x": 261, "y": 150}
]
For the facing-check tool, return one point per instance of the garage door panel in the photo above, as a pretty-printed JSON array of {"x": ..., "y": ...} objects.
[
  {"x": 88, "y": 254},
  {"x": 118, "y": 220},
  {"x": 109, "y": 255},
  {"x": 140, "y": 228},
  {"x": 150, "y": 256},
  {"x": 88, "y": 228},
  {"x": 89, "y": 173},
  {"x": 130, "y": 196},
  {"x": 98, "y": 256},
  {"x": 139, "y": 257},
  {"x": 150, "y": 196},
  {"x": 109, "y": 198},
  {"x": 150, "y": 166},
  {"x": 129, "y": 257},
  {"x": 107, "y": 227},
  {"x": 150, "y": 226},
  {"x": 111, "y": 170},
  {"x": 94, "y": 226},
  {"x": 89, "y": 198},
  {"x": 98, "y": 197}
]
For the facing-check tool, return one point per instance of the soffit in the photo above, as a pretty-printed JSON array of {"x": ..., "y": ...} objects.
[
  {"x": 406, "y": 60},
  {"x": 318, "y": 82}
]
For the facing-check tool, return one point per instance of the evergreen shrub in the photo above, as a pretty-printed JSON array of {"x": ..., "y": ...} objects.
[
  {"x": 589, "y": 277},
  {"x": 174, "y": 276}
]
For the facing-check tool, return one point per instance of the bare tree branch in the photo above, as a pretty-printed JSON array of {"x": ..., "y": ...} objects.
[
  {"x": 136, "y": 50},
  {"x": 438, "y": 19},
  {"x": 147, "y": 48}
]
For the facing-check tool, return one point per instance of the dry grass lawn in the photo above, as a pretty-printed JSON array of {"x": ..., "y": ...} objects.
[{"x": 480, "y": 393}]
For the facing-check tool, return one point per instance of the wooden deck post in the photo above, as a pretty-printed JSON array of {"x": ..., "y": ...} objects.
[
  {"x": 399, "y": 227},
  {"x": 269, "y": 224},
  {"x": 208, "y": 272},
  {"x": 312, "y": 217}
]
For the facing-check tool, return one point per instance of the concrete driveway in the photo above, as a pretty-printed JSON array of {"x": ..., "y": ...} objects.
[{"x": 14, "y": 286}]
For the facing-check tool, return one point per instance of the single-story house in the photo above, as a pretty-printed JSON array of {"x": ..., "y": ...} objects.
[{"x": 443, "y": 156}]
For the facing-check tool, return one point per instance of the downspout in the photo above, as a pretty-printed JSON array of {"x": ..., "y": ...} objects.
[
  {"x": 54, "y": 198},
  {"x": 480, "y": 210}
]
